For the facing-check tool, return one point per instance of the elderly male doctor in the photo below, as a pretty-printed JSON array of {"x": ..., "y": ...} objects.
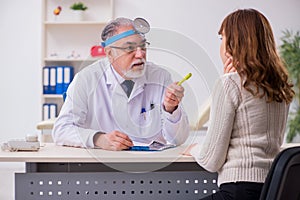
[{"x": 100, "y": 111}]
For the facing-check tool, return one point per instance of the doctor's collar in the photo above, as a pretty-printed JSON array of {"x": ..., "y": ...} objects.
[{"x": 140, "y": 26}]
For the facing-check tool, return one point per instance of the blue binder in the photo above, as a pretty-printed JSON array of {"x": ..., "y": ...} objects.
[
  {"x": 56, "y": 79},
  {"x": 49, "y": 111},
  {"x": 59, "y": 80},
  {"x": 68, "y": 75},
  {"x": 52, "y": 79},
  {"x": 46, "y": 80}
]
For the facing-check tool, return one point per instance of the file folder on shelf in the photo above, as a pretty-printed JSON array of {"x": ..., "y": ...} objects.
[
  {"x": 59, "y": 80},
  {"x": 49, "y": 111},
  {"x": 52, "y": 80},
  {"x": 46, "y": 80},
  {"x": 64, "y": 76},
  {"x": 56, "y": 79},
  {"x": 68, "y": 75}
]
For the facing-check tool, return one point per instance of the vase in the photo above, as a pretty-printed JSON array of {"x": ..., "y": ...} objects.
[{"x": 77, "y": 15}]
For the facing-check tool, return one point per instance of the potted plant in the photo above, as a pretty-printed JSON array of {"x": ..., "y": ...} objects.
[
  {"x": 78, "y": 6},
  {"x": 78, "y": 9},
  {"x": 290, "y": 52}
]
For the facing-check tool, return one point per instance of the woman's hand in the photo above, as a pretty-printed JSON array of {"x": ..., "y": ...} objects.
[
  {"x": 187, "y": 151},
  {"x": 228, "y": 65}
]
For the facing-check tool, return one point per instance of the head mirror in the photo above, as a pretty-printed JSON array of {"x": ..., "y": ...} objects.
[{"x": 141, "y": 25}]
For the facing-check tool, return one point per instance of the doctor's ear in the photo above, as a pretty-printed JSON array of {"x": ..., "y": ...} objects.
[{"x": 109, "y": 53}]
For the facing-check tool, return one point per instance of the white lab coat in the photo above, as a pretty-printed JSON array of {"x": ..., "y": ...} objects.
[{"x": 96, "y": 102}]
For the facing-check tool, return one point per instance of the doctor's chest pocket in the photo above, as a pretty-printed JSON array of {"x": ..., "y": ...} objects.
[{"x": 151, "y": 116}]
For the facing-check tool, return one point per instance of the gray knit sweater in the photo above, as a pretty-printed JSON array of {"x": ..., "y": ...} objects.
[{"x": 245, "y": 133}]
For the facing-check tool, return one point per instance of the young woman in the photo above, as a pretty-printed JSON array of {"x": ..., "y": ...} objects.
[{"x": 249, "y": 108}]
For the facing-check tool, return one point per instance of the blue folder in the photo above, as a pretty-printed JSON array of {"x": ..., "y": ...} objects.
[
  {"x": 56, "y": 79},
  {"x": 154, "y": 146},
  {"x": 64, "y": 76},
  {"x": 59, "y": 80},
  {"x": 68, "y": 74},
  {"x": 46, "y": 80},
  {"x": 49, "y": 111},
  {"x": 52, "y": 80}
]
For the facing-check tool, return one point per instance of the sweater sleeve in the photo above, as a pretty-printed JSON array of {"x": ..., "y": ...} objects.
[{"x": 213, "y": 152}]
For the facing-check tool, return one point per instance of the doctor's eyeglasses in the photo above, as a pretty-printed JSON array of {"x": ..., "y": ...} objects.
[{"x": 131, "y": 47}]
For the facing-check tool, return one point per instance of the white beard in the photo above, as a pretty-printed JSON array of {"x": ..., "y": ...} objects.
[{"x": 132, "y": 74}]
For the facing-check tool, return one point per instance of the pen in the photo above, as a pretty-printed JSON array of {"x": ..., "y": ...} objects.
[
  {"x": 185, "y": 78},
  {"x": 143, "y": 110},
  {"x": 151, "y": 106}
]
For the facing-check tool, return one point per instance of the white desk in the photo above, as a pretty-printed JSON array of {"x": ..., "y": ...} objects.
[
  {"x": 49, "y": 152},
  {"x": 56, "y": 172}
]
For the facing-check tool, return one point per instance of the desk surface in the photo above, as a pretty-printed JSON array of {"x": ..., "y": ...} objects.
[{"x": 49, "y": 152}]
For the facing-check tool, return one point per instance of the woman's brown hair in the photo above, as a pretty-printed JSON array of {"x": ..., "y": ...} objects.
[{"x": 250, "y": 41}]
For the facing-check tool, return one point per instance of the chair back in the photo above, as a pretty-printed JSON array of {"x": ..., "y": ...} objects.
[{"x": 283, "y": 180}]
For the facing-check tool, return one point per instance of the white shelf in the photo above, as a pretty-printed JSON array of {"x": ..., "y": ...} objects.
[
  {"x": 67, "y": 41},
  {"x": 71, "y": 60},
  {"x": 53, "y": 96},
  {"x": 75, "y": 23}
]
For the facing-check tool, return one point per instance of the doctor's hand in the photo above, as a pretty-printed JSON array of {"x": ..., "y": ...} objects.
[
  {"x": 173, "y": 96},
  {"x": 114, "y": 141}
]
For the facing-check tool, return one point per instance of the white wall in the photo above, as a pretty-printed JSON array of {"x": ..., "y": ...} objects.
[
  {"x": 199, "y": 21},
  {"x": 20, "y": 33},
  {"x": 20, "y": 77}
]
